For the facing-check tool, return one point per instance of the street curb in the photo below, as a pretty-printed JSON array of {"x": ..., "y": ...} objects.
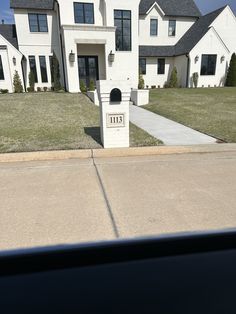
[
  {"x": 115, "y": 152},
  {"x": 44, "y": 156}
]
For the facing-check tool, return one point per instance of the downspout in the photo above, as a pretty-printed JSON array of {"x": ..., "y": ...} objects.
[
  {"x": 188, "y": 70},
  {"x": 62, "y": 52}
]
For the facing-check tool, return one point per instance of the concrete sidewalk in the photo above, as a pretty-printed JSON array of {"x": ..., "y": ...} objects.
[
  {"x": 168, "y": 131},
  {"x": 79, "y": 200}
]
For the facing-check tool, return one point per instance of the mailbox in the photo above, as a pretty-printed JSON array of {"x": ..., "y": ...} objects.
[{"x": 114, "y": 99}]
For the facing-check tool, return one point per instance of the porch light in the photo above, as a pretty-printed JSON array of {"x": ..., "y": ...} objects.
[
  {"x": 111, "y": 57},
  {"x": 222, "y": 59},
  {"x": 196, "y": 59},
  {"x": 14, "y": 60},
  {"x": 72, "y": 57}
]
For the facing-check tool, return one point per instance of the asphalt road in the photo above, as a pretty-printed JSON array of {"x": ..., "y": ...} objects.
[{"x": 72, "y": 201}]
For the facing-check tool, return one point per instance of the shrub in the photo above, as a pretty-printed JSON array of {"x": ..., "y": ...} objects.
[
  {"x": 39, "y": 89},
  {"x": 18, "y": 88},
  {"x": 56, "y": 73},
  {"x": 141, "y": 82},
  {"x": 83, "y": 87},
  {"x": 173, "y": 83},
  {"x": 45, "y": 89},
  {"x": 195, "y": 79},
  {"x": 31, "y": 82},
  {"x": 166, "y": 85},
  {"x": 231, "y": 75},
  {"x": 4, "y": 91},
  {"x": 91, "y": 86}
]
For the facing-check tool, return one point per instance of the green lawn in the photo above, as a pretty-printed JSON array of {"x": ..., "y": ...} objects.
[
  {"x": 54, "y": 121},
  {"x": 209, "y": 110}
]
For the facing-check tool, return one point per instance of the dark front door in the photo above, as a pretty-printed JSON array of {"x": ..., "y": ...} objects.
[{"x": 88, "y": 69}]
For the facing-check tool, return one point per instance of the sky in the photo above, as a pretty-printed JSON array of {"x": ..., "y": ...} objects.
[{"x": 205, "y": 6}]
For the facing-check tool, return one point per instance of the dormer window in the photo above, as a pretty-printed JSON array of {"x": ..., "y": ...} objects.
[
  {"x": 154, "y": 27},
  {"x": 172, "y": 28},
  {"x": 84, "y": 13},
  {"x": 38, "y": 23}
]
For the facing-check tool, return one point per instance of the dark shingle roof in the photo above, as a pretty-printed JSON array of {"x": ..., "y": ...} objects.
[
  {"x": 8, "y": 31},
  {"x": 196, "y": 32},
  {"x": 172, "y": 7},
  {"x": 156, "y": 51},
  {"x": 186, "y": 43},
  {"x": 32, "y": 4}
]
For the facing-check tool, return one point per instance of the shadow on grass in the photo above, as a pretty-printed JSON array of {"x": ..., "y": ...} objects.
[{"x": 94, "y": 132}]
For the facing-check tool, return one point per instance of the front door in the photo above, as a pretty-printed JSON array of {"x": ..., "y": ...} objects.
[{"x": 88, "y": 69}]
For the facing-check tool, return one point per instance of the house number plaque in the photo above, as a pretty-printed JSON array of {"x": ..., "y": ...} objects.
[{"x": 116, "y": 120}]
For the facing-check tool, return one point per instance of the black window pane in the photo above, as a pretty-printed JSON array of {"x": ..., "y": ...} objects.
[
  {"x": 32, "y": 64},
  {"x": 142, "y": 66},
  {"x": 43, "y": 69},
  {"x": 33, "y": 23},
  {"x": 84, "y": 13},
  {"x": 118, "y": 14},
  {"x": 161, "y": 66},
  {"x": 38, "y": 23},
  {"x": 153, "y": 27},
  {"x": 122, "y": 21},
  {"x": 1, "y": 70},
  {"x": 172, "y": 28},
  {"x": 208, "y": 65}
]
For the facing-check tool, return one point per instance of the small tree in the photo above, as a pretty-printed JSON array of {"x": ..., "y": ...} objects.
[
  {"x": 18, "y": 88},
  {"x": 91, "y": 86},
  {"x": 56, "y": 73},
  {"x": 83, "y": 87},
  {"x": 231, "y": 76},
  {"x": 173, "y": 79},
  {"x": 195, "y": 79},
  {"x": 141, "y": 82},
  {"x": 31, "y": 82}
]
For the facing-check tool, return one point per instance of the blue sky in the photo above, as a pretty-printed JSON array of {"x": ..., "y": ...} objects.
[{"x": 204, "y": 5}]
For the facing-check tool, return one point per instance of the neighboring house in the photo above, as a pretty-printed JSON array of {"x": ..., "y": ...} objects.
[
  {"x": 10, "y": 57},
  {"x": 113, "y": 40}
]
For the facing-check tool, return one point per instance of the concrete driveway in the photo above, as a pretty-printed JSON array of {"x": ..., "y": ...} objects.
[{"x": 60, "y": 202}]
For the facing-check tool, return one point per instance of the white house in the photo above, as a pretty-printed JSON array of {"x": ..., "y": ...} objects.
[{"x": 116, "y": 40}]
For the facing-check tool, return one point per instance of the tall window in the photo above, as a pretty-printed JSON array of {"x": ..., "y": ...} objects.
[
  {"x": 208, "y": 66},
  {"x": 38, "y": 23},
  {"x": 123, "y": 30},
  {"x": 84, "y": 13},
  {"x": 153, "y": 27},
  {"x": 33, "y": 68},
  {"x": 51, "y": 68},
  {"x": 1, "y": 70},
  {"x": 161, "y": 66},
  {"x": 43, "y": 69},
  {"x": 172, "y": 28},
  {"x": 142, "y": 66}
]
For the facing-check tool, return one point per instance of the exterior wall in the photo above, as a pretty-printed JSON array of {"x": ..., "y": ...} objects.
[
  {"x": 38, "y": 44},
  {"x": 8, "y": 67},
  {"x": 225, "y": 25},
  {"x": 152, "y": 78},
  {"x": 181, "y": 64},
  {"x": 210, "y": 44},
  {"x": 162, "y": 39}
]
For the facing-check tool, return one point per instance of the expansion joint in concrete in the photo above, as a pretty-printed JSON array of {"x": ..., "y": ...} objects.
[{"x": 108, "y": 205}]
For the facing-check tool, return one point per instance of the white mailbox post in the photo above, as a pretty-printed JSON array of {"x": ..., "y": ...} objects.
[{"x": 114, "y": 97}]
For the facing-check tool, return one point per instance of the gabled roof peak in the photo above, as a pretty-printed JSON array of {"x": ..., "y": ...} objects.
[{"x": 186, "y": 8}]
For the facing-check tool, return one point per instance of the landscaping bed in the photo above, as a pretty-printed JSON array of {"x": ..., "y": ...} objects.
[
  {"x": 54, "y": 121},
  {"x": 208, "y": 110}
]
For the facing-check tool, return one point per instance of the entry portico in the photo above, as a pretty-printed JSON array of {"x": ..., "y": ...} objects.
[{"x": 92, "y": 46}]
